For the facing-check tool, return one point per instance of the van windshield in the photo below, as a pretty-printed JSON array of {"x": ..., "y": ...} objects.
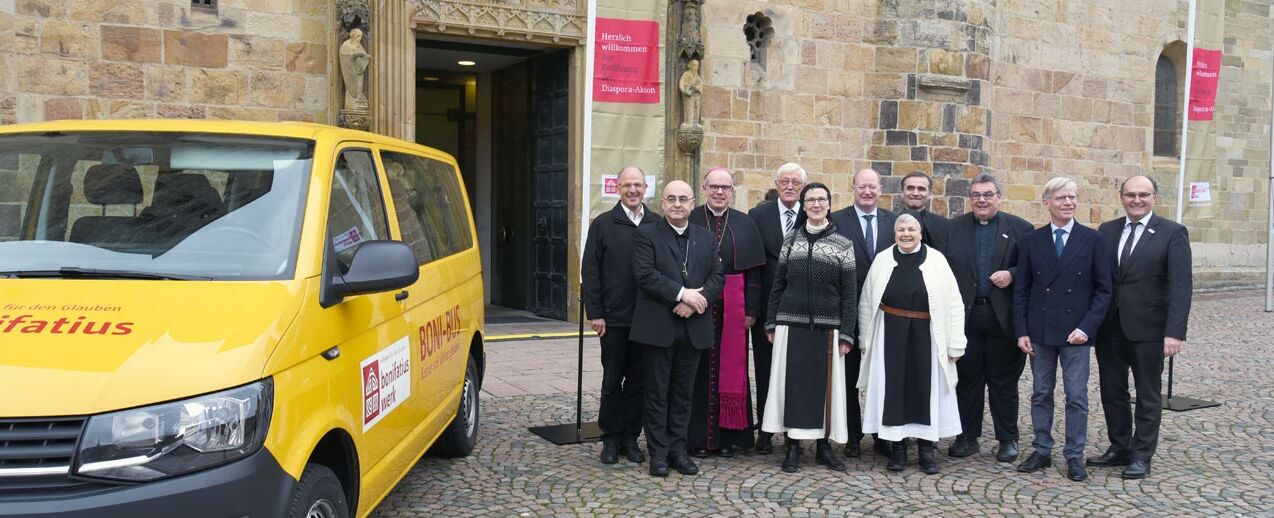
[{"x": 151, "y": 205}]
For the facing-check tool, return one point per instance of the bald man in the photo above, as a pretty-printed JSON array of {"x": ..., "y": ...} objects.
[
  {"x": 871, "y": 228},
  {"x": 610, "y": 291},
  {"x": 679, "y": 279}
]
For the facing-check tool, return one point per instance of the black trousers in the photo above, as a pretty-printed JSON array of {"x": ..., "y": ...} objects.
[
  {"x": 623, "y": 379},
  {"x": 670, "y": 378},
  {"x": 853, "y": 412},
  {"x": 1116, "y": 356},
  {"x": 992, "y": 365},
  {"x": 762, "y": 357}
]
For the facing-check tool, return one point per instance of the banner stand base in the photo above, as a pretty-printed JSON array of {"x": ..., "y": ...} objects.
[
  {"x": 570, "y": 433},
  {"x": 1183, "y": 404}
]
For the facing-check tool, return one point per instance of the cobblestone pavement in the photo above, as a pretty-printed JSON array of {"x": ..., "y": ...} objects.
[{"x": 1217, "y": 461}]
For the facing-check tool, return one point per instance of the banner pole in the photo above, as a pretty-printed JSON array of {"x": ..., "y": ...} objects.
[
  {"x": 1185, "y": 118},
  {"x": 1269, "y": 240}
]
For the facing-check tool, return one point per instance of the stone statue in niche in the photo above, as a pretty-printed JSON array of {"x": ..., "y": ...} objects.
[
  {"x": 691, "y": 86},
  {"x": 354, "y": 62}
]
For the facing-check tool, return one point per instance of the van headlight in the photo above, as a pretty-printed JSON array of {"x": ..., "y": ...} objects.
[{"x": 176, "y": 438}]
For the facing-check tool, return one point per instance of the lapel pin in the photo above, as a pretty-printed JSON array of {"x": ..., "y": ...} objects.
[
  {"x": 1005, "y": 236},
  {"x": 1150, "y": 230}
]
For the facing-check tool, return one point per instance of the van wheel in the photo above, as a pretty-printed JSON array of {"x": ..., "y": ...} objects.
[
  {"x": 460, "y": 437},
  {"x": 318, "y": 495}
]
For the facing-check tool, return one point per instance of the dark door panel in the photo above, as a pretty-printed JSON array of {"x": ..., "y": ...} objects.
[{"x": 552, "y": 97}]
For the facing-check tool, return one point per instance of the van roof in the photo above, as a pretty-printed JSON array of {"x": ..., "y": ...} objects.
[{"x": 306, "y": 130}]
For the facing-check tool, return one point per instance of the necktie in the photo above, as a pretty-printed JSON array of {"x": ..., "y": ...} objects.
[
  {"x": 789, "y": 216},
  {"x": 1057, "y": 241},
  {"x": 871, "y": 237},
  {"x": 1132, "y": 233}
]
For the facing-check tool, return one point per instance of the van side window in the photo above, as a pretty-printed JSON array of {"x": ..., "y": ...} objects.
[
  {"x": 430, "y": 205},
  {"x": 356, "y": 212}
]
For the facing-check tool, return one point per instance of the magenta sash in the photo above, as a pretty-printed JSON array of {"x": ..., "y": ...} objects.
[{"x": 733, "y": 387}]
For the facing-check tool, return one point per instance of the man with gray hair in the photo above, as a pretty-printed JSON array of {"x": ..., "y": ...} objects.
[
  {"x": 775, "y": 220},
  {"x": 1058, "y": 305},
  {"x": 983, "y": 253}
]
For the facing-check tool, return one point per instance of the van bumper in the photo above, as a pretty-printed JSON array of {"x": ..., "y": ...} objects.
[{"x": 254, "y": 486}]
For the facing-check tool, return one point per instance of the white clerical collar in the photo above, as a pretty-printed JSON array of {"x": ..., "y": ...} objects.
[
  {"x": 1145, "y": 220},
  {"x": 861, "y": 213},
  {"x": 913, "y": 250},
  {"x": 1069, "y": 225},
  {"x": 679, "y": 230},
  {"x": 714, "y": 211}
]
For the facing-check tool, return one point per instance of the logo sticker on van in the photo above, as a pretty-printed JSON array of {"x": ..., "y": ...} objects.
[
  {"x": 386, "y": 382},
  {"x": 347, "y": 239}
]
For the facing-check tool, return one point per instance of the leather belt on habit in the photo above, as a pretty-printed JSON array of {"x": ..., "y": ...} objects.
[{"x": 922, "y": 315}]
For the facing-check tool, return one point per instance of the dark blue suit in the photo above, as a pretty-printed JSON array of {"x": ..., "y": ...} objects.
[{"x": 1055, "y": 296}]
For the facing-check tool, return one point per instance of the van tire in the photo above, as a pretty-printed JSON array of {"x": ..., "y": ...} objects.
[
  {"x": 318, "y": 495},
  {"x": 461, "y": 435}
]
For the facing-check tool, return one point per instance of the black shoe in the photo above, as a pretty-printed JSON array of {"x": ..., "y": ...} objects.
[
  {"x": 928, "y": 459},
  {"x": 963, "y": 447},
  {"x": 632, "y": 451},
  {"x": 853, "y": 449},
  {"x": 658, "y": 468},
  {"x": 897, "y": 456},
  {"x": 882, "y": 447},
  {"x": 792, "y": 461},
  {"x": 823, "y": 455},
  {"x": 1075, "y": 470},
  {"x": 610, "y": 451},
  {"x": 1137, "y": 469},
  {"x": 727, "y": 450},
  {"x": 1110, "y": 458},
  {"x": 1034, "y": 463},
  {"x": 699, "y": 453},
  {"x": 1007, "y": 452},
  {"x": 764, "y": 444},
  {"x": 684, "y": 465}
]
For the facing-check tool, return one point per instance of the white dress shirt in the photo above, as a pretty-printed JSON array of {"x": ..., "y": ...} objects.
[{"x": 1123, "y": 236}]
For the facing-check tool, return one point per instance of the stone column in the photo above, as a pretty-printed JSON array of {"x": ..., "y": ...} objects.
[{"x": 684, "y": 123}]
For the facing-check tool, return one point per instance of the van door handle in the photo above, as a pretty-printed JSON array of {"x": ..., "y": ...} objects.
[{"x": 402, "y": 295}]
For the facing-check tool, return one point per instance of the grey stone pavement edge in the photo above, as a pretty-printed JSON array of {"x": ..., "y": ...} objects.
[{"x": 1210, "y": 462}]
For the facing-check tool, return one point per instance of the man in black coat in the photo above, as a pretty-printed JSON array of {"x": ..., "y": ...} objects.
[
  {"x": 871, "y": 228},
  {"x": 1058, "y": 304},
  {"x": 775, "y": 219},
  {"x": 983, "y": 254},
  {"x": 917, "y": 189},
  {"x": 1150, "y": 258},
  {"x": 679, "y": 279},
  {"x": 610, "y": 291}
]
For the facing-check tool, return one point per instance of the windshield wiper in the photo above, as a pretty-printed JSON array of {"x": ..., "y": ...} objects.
[{"x": 71, "y": 272}]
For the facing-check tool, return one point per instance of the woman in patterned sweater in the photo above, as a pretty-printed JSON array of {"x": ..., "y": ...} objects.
[{"x": 811, "y": 322}]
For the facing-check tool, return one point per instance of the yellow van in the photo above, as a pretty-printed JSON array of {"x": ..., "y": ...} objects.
[{"x": 204, "y": 318}]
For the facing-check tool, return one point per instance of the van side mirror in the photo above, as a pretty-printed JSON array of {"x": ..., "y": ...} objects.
[{"x": 377, "y": 266}]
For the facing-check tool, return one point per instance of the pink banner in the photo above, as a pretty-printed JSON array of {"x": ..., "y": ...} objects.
[
  {"x": 1205, "y": 74},
  {"x": 626, "y": 61}
]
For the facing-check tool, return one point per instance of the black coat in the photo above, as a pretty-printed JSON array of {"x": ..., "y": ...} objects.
[
  {"x": 770, "y": 223},
  {"x": 607, "y": 269},
  {"x": 962, "y": 254},
  {"x": 847, "y": 224},
  {"x": 934, "y": 229},
  {"x": 1056, "y": 295},
  {"x": 1152, "y": 292},
  {"x": 657, "y": 268}
]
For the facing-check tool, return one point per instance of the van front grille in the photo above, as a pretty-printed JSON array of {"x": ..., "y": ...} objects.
[{"x": 35, "y": 455}]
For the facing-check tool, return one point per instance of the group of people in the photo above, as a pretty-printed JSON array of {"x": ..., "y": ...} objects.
[{"x": 933, "y": 319}]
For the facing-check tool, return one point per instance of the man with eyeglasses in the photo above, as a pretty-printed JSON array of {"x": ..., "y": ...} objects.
[
  {"x": 609, "y": 294},
  {"x": 679, "y": 279},
  {"x": 983, "y": 253},
  {"x": 916, "y": 194},
  {"x": 871, "y": 229},
  {"x": 1059, "y": 302},
  {"x": 721, "y": 411},
  {"x": 1150, "y": 257},
  {"x": 775, "y": 219}
]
